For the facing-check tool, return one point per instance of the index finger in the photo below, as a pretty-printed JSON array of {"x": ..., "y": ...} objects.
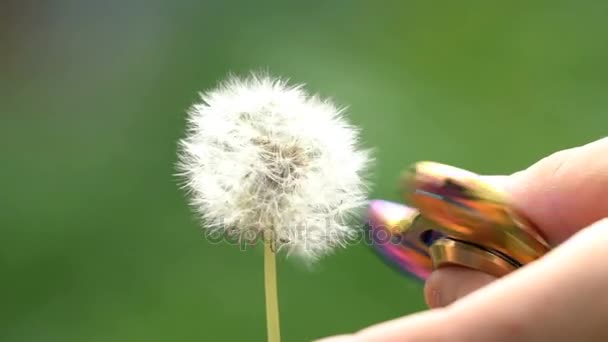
[{"x": 563, "y": 192}]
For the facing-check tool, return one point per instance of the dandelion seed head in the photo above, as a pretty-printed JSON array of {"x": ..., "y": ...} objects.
[{"x": 267, "y": 157}]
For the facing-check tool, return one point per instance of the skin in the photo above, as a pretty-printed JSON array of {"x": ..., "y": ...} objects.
[{"x": 560, "y": 297}]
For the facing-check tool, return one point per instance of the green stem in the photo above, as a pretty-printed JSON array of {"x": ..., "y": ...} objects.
[{"x": 272, "y": 297}]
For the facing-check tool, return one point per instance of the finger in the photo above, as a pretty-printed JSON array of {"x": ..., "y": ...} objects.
[
  {"x": 448, "y": 284},
  {"x": 560, "y": 194},
  {"x": 564, "y": 192},
  {"x": 560, "y": 297},
  {"x": 422, "y": 326}
]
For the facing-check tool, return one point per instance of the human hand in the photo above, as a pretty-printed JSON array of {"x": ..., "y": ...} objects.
[{"x": 560, "y": 297}]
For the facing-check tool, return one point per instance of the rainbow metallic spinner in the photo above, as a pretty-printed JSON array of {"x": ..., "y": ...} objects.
[{"x": 455, "y": 218}]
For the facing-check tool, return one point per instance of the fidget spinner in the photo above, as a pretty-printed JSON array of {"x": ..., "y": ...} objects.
[{"x": 455, "y": 218}]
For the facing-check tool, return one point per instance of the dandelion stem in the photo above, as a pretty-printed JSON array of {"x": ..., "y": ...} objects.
[{"x": 272, "y": 298}]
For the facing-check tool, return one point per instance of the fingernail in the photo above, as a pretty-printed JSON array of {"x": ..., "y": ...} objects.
[{"x": 434, "y": 300}]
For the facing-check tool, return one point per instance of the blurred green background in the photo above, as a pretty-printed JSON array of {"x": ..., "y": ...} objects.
[{"x": 97, "y": 242}]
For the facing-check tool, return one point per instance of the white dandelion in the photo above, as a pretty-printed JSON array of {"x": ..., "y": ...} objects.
[{"x": 264, "y": 157}]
